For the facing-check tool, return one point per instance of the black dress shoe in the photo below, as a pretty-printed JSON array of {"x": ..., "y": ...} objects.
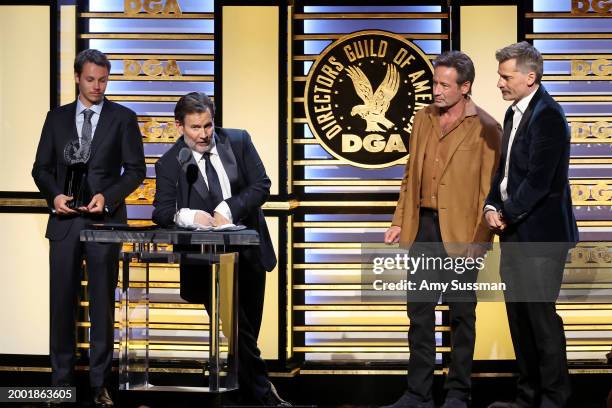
[
  {"x": 452, "y": 402},
  {"x": 502, "y": 404},
  {"x": 408, "y": 401},
  {"x": 57, "y": 403},
  {"x": 272, "y": 399},
  {"x": 101, "y": 397}
]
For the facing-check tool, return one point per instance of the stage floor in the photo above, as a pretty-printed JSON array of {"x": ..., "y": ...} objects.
[{"x": 362, "y": 388}]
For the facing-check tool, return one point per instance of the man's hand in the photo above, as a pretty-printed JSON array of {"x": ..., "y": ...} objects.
[
  {"x": 61, "y": 205},
  {"x": 475, "y": 250},
  {"x": 495, "y": 221},
  {"x": 392, "y": 234},
  {"x": 220, "y": 220},
  {"x": 203, "y": 219},
  {"x": 95, "y": 206}
]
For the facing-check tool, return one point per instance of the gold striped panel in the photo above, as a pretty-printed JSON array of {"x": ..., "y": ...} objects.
[
  {"x": 372, "y": 16},
  {"x": 410, "y": 36},
  {"x": 183, "y": 78},
  {"x": 353, "y": 307},
  {"x": 565, "y": 15},
  {"x": 385, "y": 224},
  {"x": 574, "y": 78},
  {"x": 589, "y": 118},
  {"x": 338, "y": 162},
  {"x": 298, "y": 371},
  {"x": 146, "y": 36},
  {"x": 372, "y": 349},
  {"x": 591, "y": 36},
  {"x": 177, "y": 57},
  {"x": 181, "y": 16},
  {"x": 142, "y": 98},
  {"x": 590, "y": 98},
  {"x": 312, "y": 57},
  {"x": 165, "y": 119},
  {"x": 360, "y": 328}
]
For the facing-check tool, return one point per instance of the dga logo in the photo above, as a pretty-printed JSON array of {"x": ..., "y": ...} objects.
[{"x": 361, "y": 96}]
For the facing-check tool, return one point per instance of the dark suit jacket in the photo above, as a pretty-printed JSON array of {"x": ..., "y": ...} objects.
[
  {"x": 249, "y": 183},
  {"x": 539, "y": 204},
  {"x": 116, "y": 145}
]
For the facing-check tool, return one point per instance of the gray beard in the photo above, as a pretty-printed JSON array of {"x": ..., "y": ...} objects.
[{"x": 192, "y": 145}]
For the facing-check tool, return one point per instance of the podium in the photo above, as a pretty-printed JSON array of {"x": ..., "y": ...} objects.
[{"x": 215, "y": 251}]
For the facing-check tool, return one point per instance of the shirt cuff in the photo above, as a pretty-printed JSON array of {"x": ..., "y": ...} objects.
[
  {"x": 185, "y": 218},
  {"x": 225, "y": 211},
  {"x": 489, "y": 207}
]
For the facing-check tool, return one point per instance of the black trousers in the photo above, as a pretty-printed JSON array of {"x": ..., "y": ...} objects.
[
  {"x": 421, "y": 334},
  {"x": 65, "y": 258},
  {"x": 536, "y": 329},
  {"x": 252, "y": 372}
]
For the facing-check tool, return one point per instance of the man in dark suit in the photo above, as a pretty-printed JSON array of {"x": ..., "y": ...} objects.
[
  {"x": 229, "y": 186},
  {"x": 104, "y": 138},
  {"x": 530, "y": 207}
]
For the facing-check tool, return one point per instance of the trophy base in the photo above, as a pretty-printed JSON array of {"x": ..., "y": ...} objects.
[{"x": 76, "y": 186}]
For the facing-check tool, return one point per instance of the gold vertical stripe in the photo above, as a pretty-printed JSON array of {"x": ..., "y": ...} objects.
[
  {"x": 499, "y": 22},
  {"x": 250, "y": 76},
  {"x": 289, "y": 287},
  {"x": 67, "y": 53},
  {"x": 289, "y": 125}
]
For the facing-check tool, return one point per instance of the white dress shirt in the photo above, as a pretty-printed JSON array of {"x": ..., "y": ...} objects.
[
  {"x": 80, "y": 117},
  {"x": 185, "y": 216},
  {"x": 519, "y": 109}
]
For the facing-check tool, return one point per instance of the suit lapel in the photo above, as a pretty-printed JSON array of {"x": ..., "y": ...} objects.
[
  {"x": 455, "y": 142},
  {"x": 529, "y": 111},
  {"x": 228, "y": 159},
  {"x": 199, "y": 185},
  {"x": 524, "y": 121},
  {"x": 106, "y": 118},
  {"x": 71, "y": 121},
  {"x": 419, "y": 155},
  {"x": 69, "y": 132},
  {"x": 507, "y": 131}
]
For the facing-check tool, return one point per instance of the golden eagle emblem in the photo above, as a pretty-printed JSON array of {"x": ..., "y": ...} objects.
[{"x": 375, "y": 104}]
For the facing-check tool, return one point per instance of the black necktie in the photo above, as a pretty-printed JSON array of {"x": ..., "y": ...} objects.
[
  {"x": 214, "y": 186},
  {"x": 86, "y": 130},
  {"x": 86, "y": 135}
]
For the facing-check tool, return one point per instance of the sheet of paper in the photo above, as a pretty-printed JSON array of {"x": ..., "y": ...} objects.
[{"x": 229, "y": 227}]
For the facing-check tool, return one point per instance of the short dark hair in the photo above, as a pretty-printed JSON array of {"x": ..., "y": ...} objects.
[
  {"x": 93, "y": 56},
  {"x": 462, "y": 64},
  {"x": 528, "y": 58},
  {"x": 193, "y": 102}
]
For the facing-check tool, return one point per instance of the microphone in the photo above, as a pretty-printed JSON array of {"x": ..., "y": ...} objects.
[
  {"x": 184, "y": 156},
  {"x": 191, "y": 170}
]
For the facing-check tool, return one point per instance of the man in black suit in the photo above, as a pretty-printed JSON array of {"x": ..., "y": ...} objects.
[
  {"x": 229, "y": 185},
  {"x": 530, "y": 207},
  {"x": 105, "y": 138}
]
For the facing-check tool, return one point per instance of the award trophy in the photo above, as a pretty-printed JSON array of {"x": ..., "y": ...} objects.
[{"x": 75, "y": 185}]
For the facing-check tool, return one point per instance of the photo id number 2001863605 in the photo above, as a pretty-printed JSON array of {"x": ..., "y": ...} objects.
[{"x": 37, "y": 394}]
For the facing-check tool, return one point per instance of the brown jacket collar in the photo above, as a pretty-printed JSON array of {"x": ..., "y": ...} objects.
[
  {"x": 470, "y": 110},
  {"x": 433, "y": 112}
]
